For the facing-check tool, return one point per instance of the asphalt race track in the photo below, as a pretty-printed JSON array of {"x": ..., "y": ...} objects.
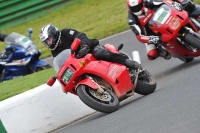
[{"x": 172, "y": 108}]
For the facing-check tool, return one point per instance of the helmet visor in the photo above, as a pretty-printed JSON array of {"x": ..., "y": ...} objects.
[
  {"x": 48, "y": 42},
  {"x": 45, "y": 43}
]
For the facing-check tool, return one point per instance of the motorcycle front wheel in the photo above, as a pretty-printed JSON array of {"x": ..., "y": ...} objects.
[
  {"x": 106, "y": 102},
  {"x": 2, "y": 75},
  {"x": 146, "y": 83}
]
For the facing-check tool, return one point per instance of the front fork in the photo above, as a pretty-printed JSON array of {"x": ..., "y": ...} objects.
[
  {"x": 137, "y": 75},
  {"x": 89, "y": 81},
  {"x": 100, "y": 90}
]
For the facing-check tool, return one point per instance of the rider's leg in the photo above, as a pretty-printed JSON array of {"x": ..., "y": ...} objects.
[
  {"x": 152, "y": 52},
  {"x": 100, "y": 53}
]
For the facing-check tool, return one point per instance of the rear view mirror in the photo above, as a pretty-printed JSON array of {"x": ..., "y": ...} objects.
[
  {"x": 51, "y": 81},
  {"x": 75, "y": 44}
]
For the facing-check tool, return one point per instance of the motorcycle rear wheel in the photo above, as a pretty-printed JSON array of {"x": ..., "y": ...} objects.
[
  {"x": 39, "y": 69},
  {"x": 42, "y": 68},
  {"x": 186, "y": 60},
  {"x": 106, "y": 103},
  {"x": 146, "y": 83}
]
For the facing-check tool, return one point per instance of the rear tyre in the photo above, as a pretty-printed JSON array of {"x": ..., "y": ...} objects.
[
  {"x": 42, "y": 68},
  {"x": 186, "y": 60},
  {"x": 146, "y": 83},
  {"x": 39, "y": 69},
  {"x": 106, "y": 103}
]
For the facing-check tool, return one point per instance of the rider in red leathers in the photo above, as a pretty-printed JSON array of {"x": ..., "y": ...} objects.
[{"x": 139, "y": 14}]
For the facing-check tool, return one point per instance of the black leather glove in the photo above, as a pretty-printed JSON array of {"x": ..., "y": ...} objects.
[
  {"x": 177, "y": 6},
  {"x": 136, "y": 65},
  {"x": 83, "y": 51},
  {"x": 132, "y": 64},
  {"x": 154, "y": 39}
]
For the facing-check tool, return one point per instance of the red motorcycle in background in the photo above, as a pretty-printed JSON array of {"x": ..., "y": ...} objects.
[
  {"x": 180, "y": 36},
  {"x": 193, "y": 10},
  {"x": 100, "y": 84}
]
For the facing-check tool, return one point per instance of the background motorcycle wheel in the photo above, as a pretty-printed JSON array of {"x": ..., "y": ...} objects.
[
  {"x": 106, "y": 103},
  {"x": 146, "y": 83},
  {"x": 2, "y": 75},
  {"x": 42, "y": 68},
  {"x": 39, "y": 69}
]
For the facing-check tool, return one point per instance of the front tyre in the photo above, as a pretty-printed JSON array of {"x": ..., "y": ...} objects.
[
  {"x": 2, "y": 75},
  {"x": 107, "y": 102},
  {"x": 146, "y": 83}
]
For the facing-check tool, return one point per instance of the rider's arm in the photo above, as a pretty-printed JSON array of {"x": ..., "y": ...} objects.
[
  {"x": 71, "y": 34},
  {"x": 144, "y": 38},
  {"x": 135, "y": 27},
  {"x": 55, "y": 52},
  {"x": 2, "y": 37},
  {"x": 85, "y": 41}
]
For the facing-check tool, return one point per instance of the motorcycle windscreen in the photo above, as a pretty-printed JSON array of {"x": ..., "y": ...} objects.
[
  {"x": 60, "y": 59},
  {"x": 18, "y": 39},
  {"x": 160, "y": 17}
]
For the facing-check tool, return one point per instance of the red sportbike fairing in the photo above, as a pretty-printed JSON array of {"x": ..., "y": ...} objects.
[
  {"x": 99, "y": 84},
  {"x": 180, "y": 37}
]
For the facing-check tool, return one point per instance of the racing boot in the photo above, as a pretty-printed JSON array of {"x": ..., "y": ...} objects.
[
  {"x": 152, "y": 52},
  {"x": 164, "y": 53},
  {"x": 132, "y": 64}
]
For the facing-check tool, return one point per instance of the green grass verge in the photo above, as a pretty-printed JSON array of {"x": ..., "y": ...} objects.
[
  {"x": 18, "y": 85},
  {"x": 98, "y": 19}
]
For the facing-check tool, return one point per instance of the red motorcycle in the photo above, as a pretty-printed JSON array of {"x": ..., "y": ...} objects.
[
  {"x": 180, "y": 37},
  {"x": 100, "y": 84}
]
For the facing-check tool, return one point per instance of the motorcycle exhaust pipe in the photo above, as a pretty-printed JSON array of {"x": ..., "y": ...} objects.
[
  {"x": 192, "y": 40},
  {"x": 136, "y": 56},
  {"x": 194, "y": 33},
  {"x": 196, "y": 23}
]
